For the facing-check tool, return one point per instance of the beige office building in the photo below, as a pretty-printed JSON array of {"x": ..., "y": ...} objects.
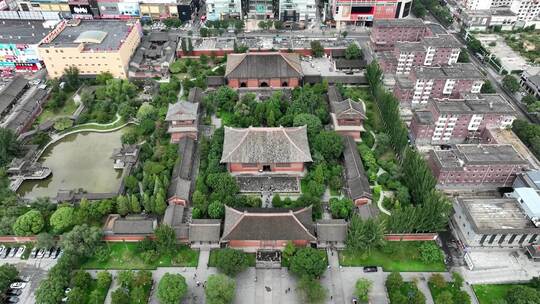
[{"x": 93, "y": 46}]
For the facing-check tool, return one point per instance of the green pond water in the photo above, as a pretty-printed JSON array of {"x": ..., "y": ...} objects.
[{"x": 81, "y": 160}]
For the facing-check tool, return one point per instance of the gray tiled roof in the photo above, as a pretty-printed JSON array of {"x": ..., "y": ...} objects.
[
  {"x": 174, "y": 217},
  {"x": 10, "y": 91},
  {"x": 182, "y": 111},
  {"x": 357, "y": 182},
  {"x": 331, "y": 230},
  {"x": 195, "y": 95},
  {"x": 342, "y": 63},
  {"x": 204, "y": 230},
  {"x": 413, "y": 22},
  {"x": 133, "y": 225},
  {"x": 263, "y": 65},
  {"x": 368, "y": 211},
  {"x": 181, "y": 177},
  {"x": 347, "y": 107},
  {"x": 268, "y": 224},
  {"x": 334, "y": 95},
  {"x": 266, "y": 145}
]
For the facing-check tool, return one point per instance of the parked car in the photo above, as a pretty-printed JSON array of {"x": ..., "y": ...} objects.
[
  {"x": 13, "y": 252},
  {"x": 13, "y": 300},
  {"x": 354, "y": 300},
  {"x": 57, "y": 253},
  {"x": 370, "y": 269},
  {"x": 41, "y": 254},
  {"x": 20, "y": 251},
  {"x": 17, "y": 285},
  {"x": 48, "y": 253},
  {"x": 2, "y": 249},
  {"x": 14, "y": 292},
  {"x": 34, "y": 253},
  {"x": 5, "y": 253}
]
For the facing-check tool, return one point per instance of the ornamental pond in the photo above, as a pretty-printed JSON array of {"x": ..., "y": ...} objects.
[{"x": 81, "y": 160}]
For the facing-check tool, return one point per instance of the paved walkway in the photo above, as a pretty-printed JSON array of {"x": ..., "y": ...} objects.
[{"x": 336, "y": 292}]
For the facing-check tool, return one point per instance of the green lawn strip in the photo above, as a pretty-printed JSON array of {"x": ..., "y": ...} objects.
[
  {"x": 396, "y": 256},
  {"x": 212, "y": 260},
  {"x": 492, "y": 293},
  {"x": 125, "y": 256},
  {"x": 48, "y": 114}
]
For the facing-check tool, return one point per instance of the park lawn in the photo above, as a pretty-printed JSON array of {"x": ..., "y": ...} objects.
[
  {"x": 212, "y": 259},
  {"x": 125, "y": 256},
  {"x": 396, "y": 256},
  {"x": 491, "y": 293},
  {"x": 66, "y": 110}
]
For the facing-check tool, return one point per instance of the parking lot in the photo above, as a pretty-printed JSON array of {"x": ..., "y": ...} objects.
[{"x": 32, "y": 271}]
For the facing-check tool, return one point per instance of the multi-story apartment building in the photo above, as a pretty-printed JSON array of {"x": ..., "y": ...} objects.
[
  {"x": 526, "y": 10},
  {"x": 426, "y": 83},
  {"x": 466, "y": 165},
  {"x": 297, "y": 10},
  {"x": 458, "y": 120},
  {"x": 51, "y": 6},
  {"x": 19, "y": 40},
  {"x": 477, "y": 4},
  {"x": 260, "y": 9},
  {"x": 500, "y": 3},
  {"x": 441, "y": 50},
  {"x": 116, "y": 9},
  {"x": 223, "y": 9},
  {"x": 92, "y": 46},
  {"x": 480, "y": 20},
  {"x": 365, "y": 12},
  {"x": 386, "y": 33}
]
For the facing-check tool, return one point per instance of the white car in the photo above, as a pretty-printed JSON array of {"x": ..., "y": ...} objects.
[
  {"x": 13, "y": 252},
  {"x": 20, "y": 251},
  {"x": 17, "y": 285}
]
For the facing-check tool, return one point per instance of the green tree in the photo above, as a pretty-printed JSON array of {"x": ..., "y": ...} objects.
[
  {"x": 165, "y": 238},
  {"x": 62, "y": 219},
  {"x": 353, "y": 51},
  {"x": 63, "y": 123},
  {"x": 361, "y": 289},
  {"x": 341, "y": 208},
  {"x": 312, "y": 290},
  {"x": 463, "y": 56},
  {"x": 365, "y": 235},
  {"x": 329, "y": 144},
  {"x": 146, "y": 110},
  {"x": 216, "y": 210},
  {"x": 308, "y": 262},
  {"x": 135, "y": 206},
  {"x": 418, "y": 9},
  {"x": 8, "y": 274},
  {"x": 29, "y": 223},
  {"x": 487, "y": 88},
  {"x": 122, "y": 205},
  {"x": 71, "y": 77},
  {"x": 45, "y": 240},
  {"x": 231, "y": 261},
  {"x": 458, "y": 279},
  {"x": 172, "y": 288},
  {"x": 219, "y": 289},
  {"x": 317, "y": 49},
  {"x": 81, "y": 241},
  {"x": 529, "y": 99},
  {"x": 120, "y": 296},
  {"x": 81, "y": 279},
  {"x": 520, "y": 294},
  {"x": 437, "y": 280},
  {"x": 159, "y": 204},
  {"x": 9, "y": 146},
  {"x": 510, "y": 82},
  {"x": 50, "y": 292},
  {"x": 445, "y": 297},
  {"x": 312, "y": 123}
]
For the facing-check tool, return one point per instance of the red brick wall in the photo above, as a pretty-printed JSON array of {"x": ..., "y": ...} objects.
[
  {"x": 239, "y": 168},
  {"x": 175, "y": 200},
  {"x": 411, "y": 237},
  {"x": 384, "y": 12},
  {"x": 265, "y": 244},
  {"x": 175, "y": 137},
  {"x": 256, "y": 83},
  {"x": 361, "y": 201},
  {"x": 354, "y": 134}
]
